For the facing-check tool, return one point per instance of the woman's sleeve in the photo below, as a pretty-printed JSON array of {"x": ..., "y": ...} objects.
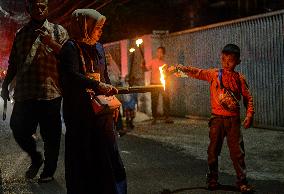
[{"x": 70, "y": 67}]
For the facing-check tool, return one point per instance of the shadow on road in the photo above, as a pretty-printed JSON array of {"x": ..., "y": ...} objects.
[
  {"x": 222, "y": 188},
  {"x": 47, "y": 188}
]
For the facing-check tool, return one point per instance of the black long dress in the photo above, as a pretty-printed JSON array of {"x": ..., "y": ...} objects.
[{"x": 92, "y": 161}]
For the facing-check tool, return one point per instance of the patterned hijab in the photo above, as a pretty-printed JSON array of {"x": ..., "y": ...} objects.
[{"x": 83, "y": 22}]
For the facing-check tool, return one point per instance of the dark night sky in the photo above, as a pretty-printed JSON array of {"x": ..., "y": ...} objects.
[
  {"x": 130, "y": 18},
  {"x": 137, "y": 17}
]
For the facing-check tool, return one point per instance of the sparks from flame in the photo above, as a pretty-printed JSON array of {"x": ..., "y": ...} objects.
[
  {"x": 131, "y": 50},
  {"x": 162, "y": 76},
  {"x": 139, "y": 41}
]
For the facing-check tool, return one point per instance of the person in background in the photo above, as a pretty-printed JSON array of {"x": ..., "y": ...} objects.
[
  {"x": 37, "y": 94},
  {"x": 119, "y": 123},
  {"x": 129, "y": 103},
  {"x": 92, "y": 159},
  {"x": 226, "y": 88},
  {"x": 153, "y": 66}
]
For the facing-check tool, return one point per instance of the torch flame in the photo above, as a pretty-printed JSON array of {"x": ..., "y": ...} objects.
[
  {"x": 162, "y": 76},
  {"x": 131, "y": 50},
  {"x": 139, "y": 41}
]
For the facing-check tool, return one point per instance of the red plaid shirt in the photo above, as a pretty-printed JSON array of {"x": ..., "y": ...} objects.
[{"x": 40, "y": 79}]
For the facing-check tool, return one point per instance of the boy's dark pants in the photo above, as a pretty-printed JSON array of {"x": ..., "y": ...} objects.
[
  {"x": 221, "y": 127},
  {"x": 25, "y": 118}
]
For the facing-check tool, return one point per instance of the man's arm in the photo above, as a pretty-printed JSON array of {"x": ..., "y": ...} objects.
[
  {"x": 55, "y": 46},
  {"x": 47, "y": 39},
  {"x": 11, "y": 72},
  {"x": 63, "y": 35},
  {"x": 146, "y": 66},
  {"x": 12, "y": 68},
  {"x": 248, "y": 102}
]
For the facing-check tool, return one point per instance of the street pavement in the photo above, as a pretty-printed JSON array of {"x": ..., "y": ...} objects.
[
  {"x": 187, "y": 142},
  {"x": 160, "y": 159}
]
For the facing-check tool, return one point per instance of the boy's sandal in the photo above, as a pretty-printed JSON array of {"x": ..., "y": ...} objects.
[
  {"x": 246, "y": 188},
  {"x": 213, "y": 186}
]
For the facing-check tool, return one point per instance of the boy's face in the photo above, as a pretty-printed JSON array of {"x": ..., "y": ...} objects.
[
  {"x": 38, "y": 10},
  {"x": 229, "y": 61},
  {"x": 160, "y": 54}
]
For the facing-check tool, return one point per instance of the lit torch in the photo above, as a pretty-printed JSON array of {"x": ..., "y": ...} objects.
[
  {"x": 162, "y": 76},
  {"x": 142, "y": 89},
  {"x": 139, "y": 89},
  {"x": 131, "y": 50},
  {"x": 138, "y": 43}
]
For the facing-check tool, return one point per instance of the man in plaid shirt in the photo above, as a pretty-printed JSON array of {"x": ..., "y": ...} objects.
[{"x": 37, "y": 93}]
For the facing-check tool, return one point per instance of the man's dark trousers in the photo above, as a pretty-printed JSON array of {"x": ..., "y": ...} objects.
[
  {"x": 155, "y": 100},
  {"x": 25, "y": 118}
]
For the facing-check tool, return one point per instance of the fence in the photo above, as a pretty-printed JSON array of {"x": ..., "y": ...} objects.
[{"x": 261, "y": 39}]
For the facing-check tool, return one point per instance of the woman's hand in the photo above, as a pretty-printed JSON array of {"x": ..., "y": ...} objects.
[
  {"x": 107, "y": 89},
  {"x": 112, "y": 92}
]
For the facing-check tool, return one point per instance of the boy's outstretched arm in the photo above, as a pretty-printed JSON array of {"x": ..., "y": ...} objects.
[
  {"x": 248, "y": 103},
  {"x": 194, "y": 72}
]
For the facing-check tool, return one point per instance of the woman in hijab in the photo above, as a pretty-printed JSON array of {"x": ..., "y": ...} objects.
[{"x": 92, "y": 160}]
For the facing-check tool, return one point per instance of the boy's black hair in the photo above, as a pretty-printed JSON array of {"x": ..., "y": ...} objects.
[
  {"x": 232, "y": 49},
  {"x": 163, "y": 49}
]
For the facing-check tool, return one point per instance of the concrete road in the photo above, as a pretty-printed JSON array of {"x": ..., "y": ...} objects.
[
  {"x": 159, "y": 159},
  {"x": 152, "y": 168}
]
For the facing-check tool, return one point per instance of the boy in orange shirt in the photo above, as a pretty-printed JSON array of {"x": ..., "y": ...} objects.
[{"x": 226, "y": 88}]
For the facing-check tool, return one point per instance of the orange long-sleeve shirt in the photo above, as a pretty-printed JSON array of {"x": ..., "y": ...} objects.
[{"x": 233, "y": 81}]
